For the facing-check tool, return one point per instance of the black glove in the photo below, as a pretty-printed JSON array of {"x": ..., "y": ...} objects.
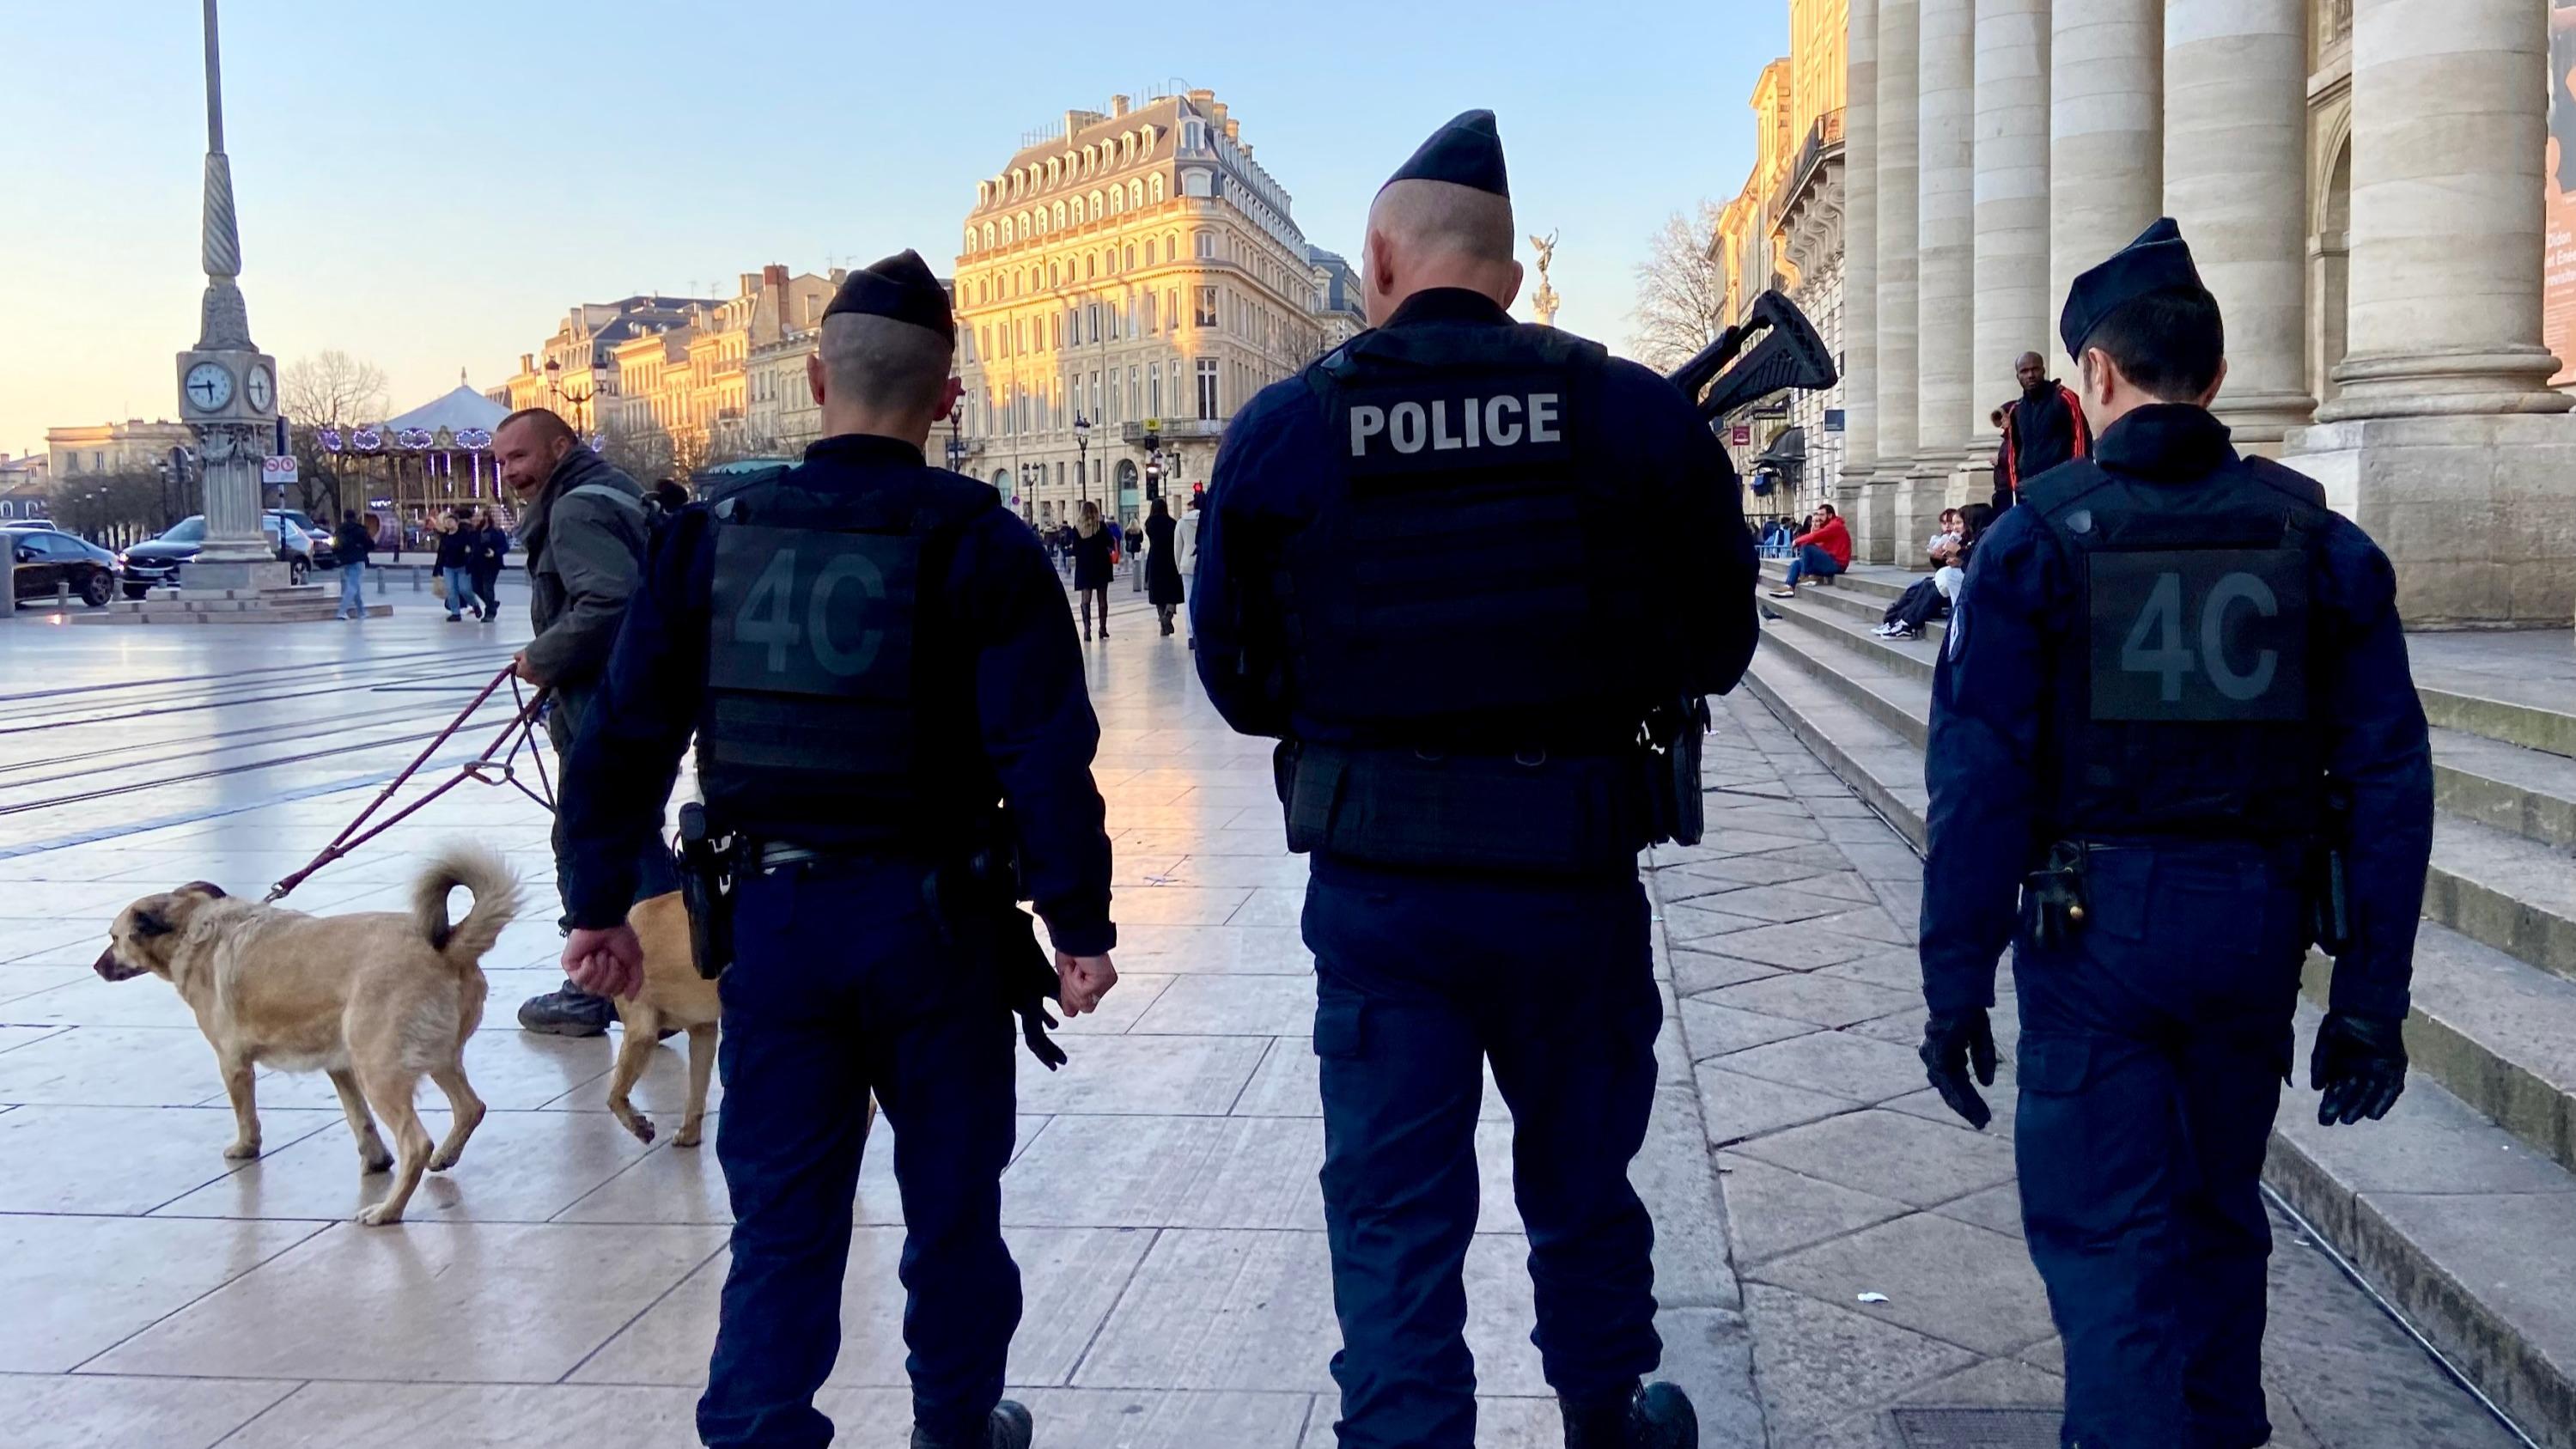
[
  {"x": 1954, "y": 1041},
  {"x": 2360, "y": 1066}
]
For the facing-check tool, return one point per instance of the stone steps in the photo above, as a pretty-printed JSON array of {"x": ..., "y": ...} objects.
[{"x": 2491, "y": 1115}]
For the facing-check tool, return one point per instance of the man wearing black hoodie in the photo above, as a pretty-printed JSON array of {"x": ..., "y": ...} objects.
[
  {"x": 2042, "y": 428},
  {"x": 583, "y": 528}
]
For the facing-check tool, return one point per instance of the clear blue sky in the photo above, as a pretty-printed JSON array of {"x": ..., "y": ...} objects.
[{"x": 427, "y": 185}]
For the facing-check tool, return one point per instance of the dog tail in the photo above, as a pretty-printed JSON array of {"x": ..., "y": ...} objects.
[{"x": 496, "y": 902}]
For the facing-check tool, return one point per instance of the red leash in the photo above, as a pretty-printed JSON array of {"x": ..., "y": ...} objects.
[{"x": 497, "y": 765}]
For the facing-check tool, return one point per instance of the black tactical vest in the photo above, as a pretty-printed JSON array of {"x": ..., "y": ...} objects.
[
  {"x": 838, "y": 711},
  {"x": 1470, "y": 606},
  {"x": 2185, "y": 698}
]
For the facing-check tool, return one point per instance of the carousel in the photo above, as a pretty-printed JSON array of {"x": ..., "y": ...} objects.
[{"x": 406, "y": 466}]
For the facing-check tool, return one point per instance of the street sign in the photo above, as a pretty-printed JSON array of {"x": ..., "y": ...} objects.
[
  {"x": 1742, "y": 435},
  {"x": 1153, "y": 425},
  {"x": 277, "y": 468},
  {"x": 1833, "y": 420}
]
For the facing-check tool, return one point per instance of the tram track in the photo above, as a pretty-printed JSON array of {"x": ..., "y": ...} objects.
[{"x": 357, "y": 674}]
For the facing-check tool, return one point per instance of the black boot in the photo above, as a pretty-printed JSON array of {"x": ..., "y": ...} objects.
[
  {"x": 1009, "y": 1428},
  {"x": 568, "y": 1012},
  {"x": 1656, "y": 1416}
]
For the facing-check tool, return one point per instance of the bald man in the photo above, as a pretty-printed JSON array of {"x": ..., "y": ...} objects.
[
  {"x": 2042, "y": 428},
  {"x": 1454, "y": 568}
]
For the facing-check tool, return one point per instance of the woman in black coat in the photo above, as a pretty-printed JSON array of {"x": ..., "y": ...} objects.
[
  {"x": 491, "y": 544},
  {"x": 1092, "y": 567},
  {"x": 1162, "y": 564}
]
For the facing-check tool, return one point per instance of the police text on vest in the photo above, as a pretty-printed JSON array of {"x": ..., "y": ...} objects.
[{"x": 1494, "y": 422}]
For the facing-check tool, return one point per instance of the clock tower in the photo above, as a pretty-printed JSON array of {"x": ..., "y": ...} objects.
[{"x": 227, "y": 386}]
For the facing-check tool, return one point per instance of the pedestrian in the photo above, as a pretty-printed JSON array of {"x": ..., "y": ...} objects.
[
  {"x": 1458, "y": 649},
  {"x": 2042, "y": 428},
  {"x": 581, "y": 525},
  {"x": 1095, "y": 563},
  {"x": 1822, "y": 550},
  {"x": 491, "y": 546},
  {"x": 874, "y": 796},
  {"x": 1189, "y": 535},
  {"x": 2173, "y": 739},
  {"x": 670, "y": 495},
  {"x": 1162, "y": 563},
  {"x": 457, "y": 541},
  {"x": 351, "y": 542}
]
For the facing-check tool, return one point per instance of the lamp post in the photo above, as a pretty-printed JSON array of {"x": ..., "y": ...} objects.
[
  {"x": 1082, "y": 455},
  {"x": 578, "y": 401},
  {"x": 956, "y": 447}
]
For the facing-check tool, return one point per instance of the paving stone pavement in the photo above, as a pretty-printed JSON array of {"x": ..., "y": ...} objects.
[
  {"x": 1790, "y": 931},
  {"x": 558, "y": 1287}
]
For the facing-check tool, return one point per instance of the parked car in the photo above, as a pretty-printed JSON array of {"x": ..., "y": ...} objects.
[
  {"x": 155, "y": 563},
  {"x": 43, "y": 559},
  {"x": 325, "y": 554}
]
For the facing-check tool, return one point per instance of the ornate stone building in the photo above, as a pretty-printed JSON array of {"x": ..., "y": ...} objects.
[
  {"x": 132, "y": 446},
  {"x": 2362, "y": 182},
  {"x": 574, "y": 371},
  {"x": 1124, "y": 283}
]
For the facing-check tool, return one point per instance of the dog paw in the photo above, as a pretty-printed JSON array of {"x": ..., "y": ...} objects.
[
  {"x": 377, "y": 1215},
  {"x": 688, "y": 1137},
  {"x": 377, "y": 1161},
  {"x": 242, "y": 1151},
  {"x": 642, "y": 1127}
]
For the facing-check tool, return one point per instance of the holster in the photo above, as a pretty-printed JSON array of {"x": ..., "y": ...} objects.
[
  {"x": 2057, "y": 896},
  {"x": 1674, "y": 736},
  {"x": 708, "y": 864},
  {"x": 975, "y": 899},
  {"x": 2329, "y": 886}
]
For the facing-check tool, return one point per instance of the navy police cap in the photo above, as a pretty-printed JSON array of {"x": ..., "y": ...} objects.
[
  {"x": 2159, "y": 260},
  {"x": 1465, "y": 152},
  {"x": 901, "y": 287}
]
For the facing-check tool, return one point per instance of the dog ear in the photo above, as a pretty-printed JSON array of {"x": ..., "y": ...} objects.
[
  {"x": 201, "y": 887},
  {"x": 148, "y": 924}
]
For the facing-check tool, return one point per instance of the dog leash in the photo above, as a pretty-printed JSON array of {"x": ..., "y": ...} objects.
[{"x": 497, "y": 765}]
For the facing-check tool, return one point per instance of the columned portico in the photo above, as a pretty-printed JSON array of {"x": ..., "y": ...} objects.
[
  {"x": 1871, "y": 517},
  {"x": 1898, "y": 54},
  {"x": 2012, "y": 222},
  {"x": 1945, "y": 227},
  {"x": 2106, "y": 156}
]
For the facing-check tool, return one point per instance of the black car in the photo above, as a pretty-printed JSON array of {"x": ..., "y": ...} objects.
[
  {"x": 155, "y": 563},
  {"x": 326, "y": 554},
  {"x": 44, "y": 560}
]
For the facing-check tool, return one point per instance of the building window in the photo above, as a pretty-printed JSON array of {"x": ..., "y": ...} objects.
[
  {"x": 1206, "y": 244},
  {"x": 1154, "y": 390},
  {"x": 1207, "y": 388},
  {"x": 1136, "y": 193},
  {"x": 1206, "y": 313},
  {"x": 1154, "y": 191},
  {"x": 1149, "y": 312},
  {"x": 1135, "y": 390},
  {"x": 1131, "y": 257},
  {"x": 1095, "y": 322},
  {"x": 1059, "y": 332}
]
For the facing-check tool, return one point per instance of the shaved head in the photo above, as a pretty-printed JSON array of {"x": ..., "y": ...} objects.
[
  {"x": 890, "y": 365},
  {"x": 1425, "y": 234}
]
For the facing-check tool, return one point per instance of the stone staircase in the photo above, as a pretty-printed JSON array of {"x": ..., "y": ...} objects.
[
  {"x": 2461, "y": 1207},
  {"x": 288, "y": 604}
]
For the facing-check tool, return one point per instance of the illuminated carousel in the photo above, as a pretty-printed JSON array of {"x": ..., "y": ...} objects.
[{"x": 407, "y": 465}]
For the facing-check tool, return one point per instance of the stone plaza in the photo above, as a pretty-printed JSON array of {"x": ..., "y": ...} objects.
[{"x": 1831, "y": 1245}]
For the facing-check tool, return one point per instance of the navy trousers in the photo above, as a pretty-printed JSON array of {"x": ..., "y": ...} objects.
[
  {"x": 1419, "y": 981},
  {"x": 2153, "y": 1049},
  {"x": 843, "y": 984}
]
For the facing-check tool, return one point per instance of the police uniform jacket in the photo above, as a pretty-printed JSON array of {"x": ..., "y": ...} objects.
[
  {"x": 2000, "y": 688},
  {"x": 998, "y": 600},
  {"x": 1656, "y": 488}
]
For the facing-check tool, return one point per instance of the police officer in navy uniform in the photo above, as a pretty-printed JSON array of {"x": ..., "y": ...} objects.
[
  {"x": 2174, "y": 716},
  {"x": 1452, "y": 567},
  {"x": 876, "y": 658}
]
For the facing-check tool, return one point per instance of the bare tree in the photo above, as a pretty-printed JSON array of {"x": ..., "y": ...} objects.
[
  {"x": 114, "y": 505},
  {"x": 328, "y": 390},
  {"x": 1681, "y": 291},
  {"x": 642, "y": 453}
]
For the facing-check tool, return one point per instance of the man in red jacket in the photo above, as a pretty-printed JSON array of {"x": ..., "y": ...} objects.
[
  {"x": 2042, "y": 428},
  {"x": 1822, "y": 551}
]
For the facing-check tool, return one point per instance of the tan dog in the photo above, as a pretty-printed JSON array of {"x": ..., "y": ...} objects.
[
  {"x": 375, "y": 1000},
  {"x": 674, "y": 994}
]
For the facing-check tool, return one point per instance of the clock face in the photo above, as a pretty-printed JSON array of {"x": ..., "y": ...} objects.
[
  {"x": 259, "y": 389},
  {"x": 208, "y": 386}
]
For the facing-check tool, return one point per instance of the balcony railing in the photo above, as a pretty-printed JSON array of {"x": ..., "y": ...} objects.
[
  {"x": 1170, "y": 430},
  {"x": 1824, "y": 143}
]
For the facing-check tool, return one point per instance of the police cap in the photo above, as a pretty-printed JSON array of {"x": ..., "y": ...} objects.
[
  {"x": 901, "y": 287},
  {"x": 1466, "y": 152},
  {"x": 2159, "y": 260}
]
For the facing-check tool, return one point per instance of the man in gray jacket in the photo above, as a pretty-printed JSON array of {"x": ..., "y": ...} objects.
[{"x": 583, "y": 526}]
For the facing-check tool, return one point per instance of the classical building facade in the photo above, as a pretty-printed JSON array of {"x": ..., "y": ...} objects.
[
  {"x": 132, "y": 446},
  {"x": 1124, "y": 284},
  {"x": 574, "y": 371},
  {"x": 1338, "y": 308},
  {"x": 2362, "y": 182},
  {"x": 1784, "y": 230}
]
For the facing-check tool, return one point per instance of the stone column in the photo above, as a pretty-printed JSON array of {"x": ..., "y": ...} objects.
[
  {"x": 2106, "y": 143},
  {"x": 2236, "y": 177},
  {"x": 2439, "y": 445},
  {"x": 1897, "y": 210},
  {"x": 1866, "y": 505},
  {"x": 1947, "y": 67},
  {"x": 2011, "y": 309}
]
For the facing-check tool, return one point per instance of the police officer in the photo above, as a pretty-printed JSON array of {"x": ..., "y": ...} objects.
[
  {"x": 874, "y": 655},
  {"x": 2174, "y": 713},
  {"x": 1452, "y": 567}
]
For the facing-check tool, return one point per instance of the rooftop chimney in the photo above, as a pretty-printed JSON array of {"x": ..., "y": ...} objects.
[
  {"x": 1117, "y": 107},
  {"x": 527, "y": 362},
  {"x": 1202, "y": 98},
  {"x": 747, "y": 283},
  {"x": 1233, "y": 128},
  {"x": 774, "y": 275}
]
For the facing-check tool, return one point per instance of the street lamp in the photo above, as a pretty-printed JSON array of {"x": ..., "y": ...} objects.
[
  {"x": 1082, "y": 454},
  {"x": 554, "y": 386},
  {"x": 956, "y": 448}
]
